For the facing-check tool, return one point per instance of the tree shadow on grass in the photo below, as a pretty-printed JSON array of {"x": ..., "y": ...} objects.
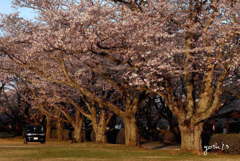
[{"x": 166, "y": 146}]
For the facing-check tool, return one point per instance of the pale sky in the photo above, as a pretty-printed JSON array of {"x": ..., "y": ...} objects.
[{"x": 5, "y": 8}]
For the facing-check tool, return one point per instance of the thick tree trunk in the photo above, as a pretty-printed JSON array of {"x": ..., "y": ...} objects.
[
  {"x": 77, "y": 127},
  {"x": 191, "y": 138},
  {"x": 77, "y": 134},
  {"x": 100, "y": 136},
  {"x": 131, "y": 131},
  {"x": 77, "y": 131},
  {"x": 99, "y": 127},
  {"x": 100, "y": 130}
]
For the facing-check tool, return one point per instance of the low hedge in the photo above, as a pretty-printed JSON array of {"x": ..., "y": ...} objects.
[{"x": 228, "y": 143}]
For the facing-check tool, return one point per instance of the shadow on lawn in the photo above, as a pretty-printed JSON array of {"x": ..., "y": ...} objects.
[{"x": 167, "y": 146}]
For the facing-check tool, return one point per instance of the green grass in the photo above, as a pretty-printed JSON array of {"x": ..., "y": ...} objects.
[{"x": 52, "y": 151}]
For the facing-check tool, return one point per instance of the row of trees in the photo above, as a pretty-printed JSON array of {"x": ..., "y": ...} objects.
[
  {"x": 101, "y": 57},
  {"x": 63, "y": 120}
]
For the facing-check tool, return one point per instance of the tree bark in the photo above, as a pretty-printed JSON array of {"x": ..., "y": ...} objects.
[
  {"x": 191, "y": 138},
  {"x": 48, "y": 127},
  {"x": 99, "y": 127},
  {"x": 77, "y": 131},
  {"x": 77, "y": 134},
  {"x": 100, "y": 130},
  {"x": 131, "y": 132}
]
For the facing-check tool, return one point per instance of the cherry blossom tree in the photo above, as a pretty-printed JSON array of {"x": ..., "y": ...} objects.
[
  {"x": 183, "y": 50},
  {"x": 58, "y": 52}
]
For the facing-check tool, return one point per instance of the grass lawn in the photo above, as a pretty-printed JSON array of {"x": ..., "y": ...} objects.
[{"x": 15, "y": 150}]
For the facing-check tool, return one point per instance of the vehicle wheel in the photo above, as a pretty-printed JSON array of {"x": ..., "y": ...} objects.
[{"x": 42, "y": 142}]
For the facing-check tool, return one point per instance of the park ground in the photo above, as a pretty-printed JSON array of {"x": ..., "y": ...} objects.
[{"x": 15, "y": 150}]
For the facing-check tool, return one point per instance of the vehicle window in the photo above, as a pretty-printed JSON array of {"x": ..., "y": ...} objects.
[{"x": 34, "y": 129}]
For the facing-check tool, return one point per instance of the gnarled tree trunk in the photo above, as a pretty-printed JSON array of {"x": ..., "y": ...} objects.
[
  {"x": 191, "y": 138},
  {"x": 100, "y": 136},
  {"x": 131, "y": 132},
  {"x": 99, "y": 127},
  {"x": 77, "y": 134},
  {"x": 77, "y": 128}
]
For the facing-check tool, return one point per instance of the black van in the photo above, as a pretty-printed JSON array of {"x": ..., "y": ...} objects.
[{"x": 33, "y": 133}]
